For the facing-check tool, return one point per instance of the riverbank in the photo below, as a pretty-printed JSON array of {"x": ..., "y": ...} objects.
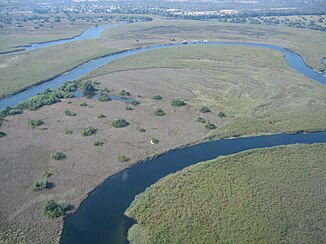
[
  {"x": 261, "y": 90},
  {"x": 262, "y": 195}
]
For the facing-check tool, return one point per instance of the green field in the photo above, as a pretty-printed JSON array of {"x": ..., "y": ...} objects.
[
  {"x": 274, "y": 195},
  {"x": 254, "y": 87}
]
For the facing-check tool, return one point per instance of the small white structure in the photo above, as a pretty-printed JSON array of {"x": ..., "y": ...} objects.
[{"x": 185, "y": 42}]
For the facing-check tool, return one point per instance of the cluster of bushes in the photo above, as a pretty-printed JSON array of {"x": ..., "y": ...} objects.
[
  {"x": 98, "y": 143},
  {"x": 124, "y": 93},
  {"x": 57, "y": 155},
  {"x": 88, "y": 87},
  {"x": 123, "y": 158},
  {"x": 177, "y": 102},
  {"x": 88, "y": 131},
  {"x": 157, "y": 98},
  {"x": 52, "y": 209},
  {"x": 104, "y": 98},
  {"x": 159, "y": 112},
  {"x": 35, "y": 122},
  {"x": 133, "y": 102},
  {"x": 119, "y": 123},
  {"x": 210, "y": 126},
  {"x": 69, "y": 113}
]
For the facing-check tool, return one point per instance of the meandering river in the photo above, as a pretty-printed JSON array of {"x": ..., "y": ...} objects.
[{"x": 100, "y": 217}]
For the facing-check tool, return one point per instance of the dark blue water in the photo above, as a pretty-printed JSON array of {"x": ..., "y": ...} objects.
[
  {"x": 100, "y": 217},
  {"x": 292, "y": 59},
  {"x": 91, "y": 33}
]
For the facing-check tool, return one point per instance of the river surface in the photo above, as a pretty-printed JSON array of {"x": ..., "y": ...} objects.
[
  {"x": 100, "y": 217},
  {"x": 292, "y": 59},
  {"x": 91, "y": 33}
]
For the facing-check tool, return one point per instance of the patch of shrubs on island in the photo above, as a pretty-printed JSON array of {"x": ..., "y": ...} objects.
[
  {"x": 35, "y": 122},
  {"x": 204, "y": 109},
  {"x": 157, "y": 98},
  {"x": 52, "y": 209},
  {"x": 88, "y": 131},
  {"x": 176, "y": 102},
  {"x": 104, "y": 98},
  {"x": 159, "y": 112},
  {"x": 98, "y": 143},
  {"x": 119, "y": 123},
  {"x": 123, "y": 158},
  {"x": 69, "y": 113},
  {"x": 57, "y": 155},
  {"x": 67, "y": 131}
]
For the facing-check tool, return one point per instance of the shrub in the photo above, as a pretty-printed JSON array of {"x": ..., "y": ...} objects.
[
  {"x": 177, "y": 102},
  {"x": 51, "y": 209},
  {"x": 133, "y": 102},
  {"x": 35, "y": 122},
  {"x": 88, "y": 87},
  {"x": 14, "y": 111},
  {"x": 204, "y": 109},
  {"x": 123, "y": 158},
  {"x": 40, "y": 184},
  {"x": 88, "y": 131},
  {"x": 124, "y": 93},
  {"x": 128, "y": 108},
  {"x": 83, "y": 104},
  {"x": 98, "y": 143},
  {"x": 69, "y": 113},
  {"x": 142, "y": 130},
  {"x": 57, "y": 155},
  {"x": 201, "y": 120},
  {"x": 119, "y": 123},
  {"x": 104, "y": 98},
  {"x": 2, "y": 134},
  {"x": 100, "y": 116},
  {"x": 159, "y": 112},
  {"x": 68, "y": 131},
  {"x": 210, "y": 126},
  {"x": 221, "y": 114},
  {"x": 157, "y": 98}
]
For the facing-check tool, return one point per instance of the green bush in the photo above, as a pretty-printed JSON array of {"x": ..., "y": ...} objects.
[
  {"x": 88, "y": 87},
  {"x": 210, "y": 126},
  {"x": 133, "y": 102},
  {"x": 2, "y": 134},
  {"x": 201, "y": 120},
  {"x": 35, "y": 122},
  {"x": 98, "y": 143},
  {"x": 101, "y": 116},
  {"x": 69, "y": 113},
  {"x": 104, "y": 98},
  {"x": 51, "y": 209},
  {"x": 83, "y": 104},
  {"x": 128, "y": 108},
  {"x": 40, "y": 184},
  {"x": 123, "y": 158},
  {"x": 124, "y": 93},
  {"x": 14, "y": 111},
  {"x": 221, "y": 115},
  {"x": 142, "y": 130},
  {"x": 204, "y": 109},
  {"x": 159, "y": 112},
  {"x": 67, "y": 131},
  {"x": 57, "y": 155},
  {"x": 88, "y": 131},
  {"x": 177, "y": 102},
  {"x": 119, "y": 123},
  {"x": 157, "y": 97}
]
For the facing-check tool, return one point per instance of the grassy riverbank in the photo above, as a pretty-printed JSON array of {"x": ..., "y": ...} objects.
[
  {"x": 253, "y": 87},
  {"x": 270, "y": 195},
  {"x": 30, "y": 68}
]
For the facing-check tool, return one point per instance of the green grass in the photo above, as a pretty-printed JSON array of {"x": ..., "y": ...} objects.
[
  {"x": 273, "y": 195},
  {"x": 253, "y": 87}
]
